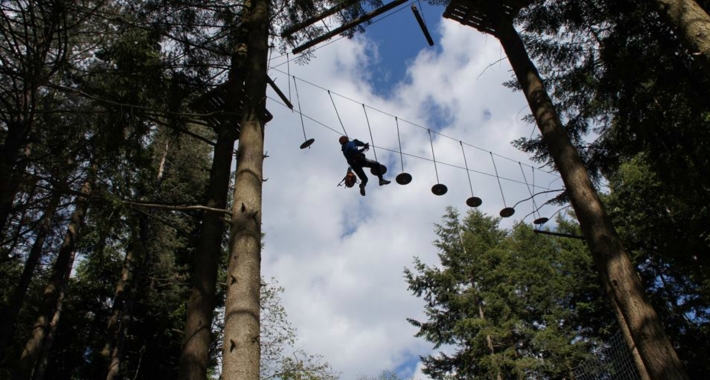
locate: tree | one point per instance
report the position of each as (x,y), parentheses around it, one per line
(54,291)
(280,359)
(692,23)
(512,304)
(241,352)
(616,270)
(667,254)
(34,49)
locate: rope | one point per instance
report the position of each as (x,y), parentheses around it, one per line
(401,156)
(528,186)
(467,172)
(432,154)
(298,99)
(498,178)
(374,151)
(337,113)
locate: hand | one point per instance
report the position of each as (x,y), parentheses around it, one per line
(366,147)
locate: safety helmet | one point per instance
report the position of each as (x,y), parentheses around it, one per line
(350,179)
(343,140)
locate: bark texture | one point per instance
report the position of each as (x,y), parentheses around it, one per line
(614,266)
(53,291)
(9,317)
(124,299)
(692,23)
(194,358)
(241,351)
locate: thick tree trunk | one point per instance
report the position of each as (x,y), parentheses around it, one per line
(60,275)
(692,23)
(9,318)
(613,263)
(241,351)
(194,358)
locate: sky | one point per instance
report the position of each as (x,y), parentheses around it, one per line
(340,256)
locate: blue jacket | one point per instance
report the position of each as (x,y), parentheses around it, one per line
(351,150)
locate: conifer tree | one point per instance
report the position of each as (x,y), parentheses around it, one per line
(513,304)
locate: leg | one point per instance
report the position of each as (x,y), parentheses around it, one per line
(360,173)
(374,164)
(371,164)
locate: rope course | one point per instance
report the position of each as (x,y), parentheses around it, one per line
(439,188)
(414,124)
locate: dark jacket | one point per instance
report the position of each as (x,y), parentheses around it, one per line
(352,150)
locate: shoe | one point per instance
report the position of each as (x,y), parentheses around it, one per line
(362,189)
(384,182)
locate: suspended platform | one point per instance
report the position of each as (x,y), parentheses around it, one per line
(222,107)
(484,15)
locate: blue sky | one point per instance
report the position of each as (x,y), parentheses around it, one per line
(340,256)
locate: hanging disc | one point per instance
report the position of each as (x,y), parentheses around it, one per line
(307,143)
(439,189)
(542,220)
(506,212)
(473,202)
(403,178)
(378,171)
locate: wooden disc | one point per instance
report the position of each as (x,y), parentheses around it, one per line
(403,178)
(507,212)
(539,221)
(473,202)
(307,143)
(439,189)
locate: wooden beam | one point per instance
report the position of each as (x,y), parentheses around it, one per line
(349,25)
(296,27)
(420,20)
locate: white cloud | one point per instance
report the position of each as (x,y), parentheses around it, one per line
(340,256)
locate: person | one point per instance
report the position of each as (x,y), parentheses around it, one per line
(353,152)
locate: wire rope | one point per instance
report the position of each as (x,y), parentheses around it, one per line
(431,142)
(467,172)
(374,151)
(338,114)
(298,100)
(399,140)
(498,177)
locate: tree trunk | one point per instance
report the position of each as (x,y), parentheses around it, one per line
(10,171)
(194,358)
(241,351)
(9,318)
(49,340)
(60,275)
(638,360)
(692,23)
(123,300)
(118,327)
(119,299)
(613,264)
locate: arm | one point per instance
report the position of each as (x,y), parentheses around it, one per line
(364,146)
